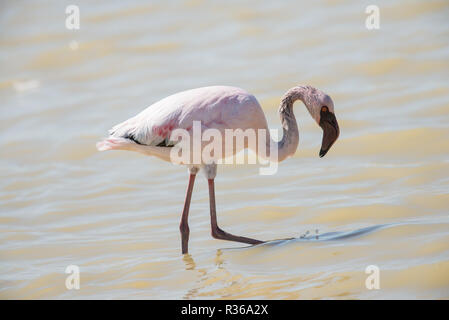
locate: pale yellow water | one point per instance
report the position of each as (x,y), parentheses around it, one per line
(116,214)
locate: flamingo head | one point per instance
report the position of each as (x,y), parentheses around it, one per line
(321,108)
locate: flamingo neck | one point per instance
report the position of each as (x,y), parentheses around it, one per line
(289,143)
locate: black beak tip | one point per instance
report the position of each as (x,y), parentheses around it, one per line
(322,153)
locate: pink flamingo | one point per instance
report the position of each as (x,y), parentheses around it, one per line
(218,107)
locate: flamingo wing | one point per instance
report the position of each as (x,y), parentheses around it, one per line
(218,107)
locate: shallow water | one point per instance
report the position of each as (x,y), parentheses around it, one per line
(379,197)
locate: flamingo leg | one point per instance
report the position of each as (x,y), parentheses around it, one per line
(217,233)
(184,225)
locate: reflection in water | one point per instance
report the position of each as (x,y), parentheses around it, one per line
(328,236)
(190,266)
(189,262)
(345,235)
(253,271)
(203,275)
(333,236)
(219,259)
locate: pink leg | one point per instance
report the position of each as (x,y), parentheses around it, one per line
(217,233)
(184,225)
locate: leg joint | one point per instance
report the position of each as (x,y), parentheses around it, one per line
(184,228)
(217,233)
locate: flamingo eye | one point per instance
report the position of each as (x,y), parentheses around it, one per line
(324,109)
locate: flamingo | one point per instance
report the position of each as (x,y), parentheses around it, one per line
(218,107)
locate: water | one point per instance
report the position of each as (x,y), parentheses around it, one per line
(379,197)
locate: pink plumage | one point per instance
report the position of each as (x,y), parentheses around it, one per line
(218,107)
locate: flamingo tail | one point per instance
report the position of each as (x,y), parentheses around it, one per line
(113,143)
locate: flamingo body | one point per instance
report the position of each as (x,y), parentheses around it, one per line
(218,107)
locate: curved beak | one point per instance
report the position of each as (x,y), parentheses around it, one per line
(331,131)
